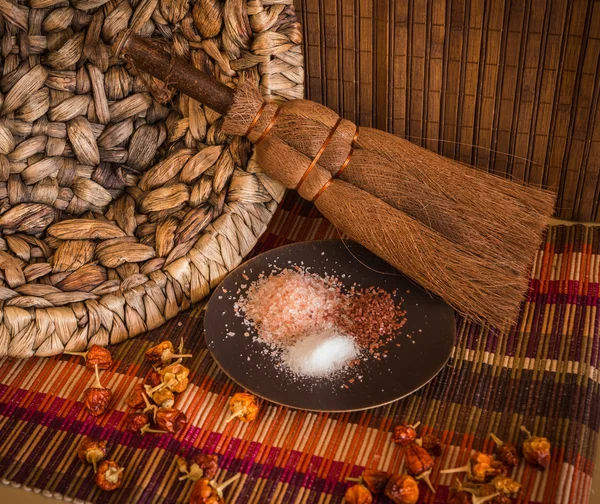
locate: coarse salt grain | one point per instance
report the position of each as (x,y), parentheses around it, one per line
(321,354)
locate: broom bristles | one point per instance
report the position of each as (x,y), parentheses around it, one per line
(463,234)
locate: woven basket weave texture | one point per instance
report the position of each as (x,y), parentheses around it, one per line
(121,202)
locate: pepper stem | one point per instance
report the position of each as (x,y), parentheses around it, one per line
(145,429)
(496,439)
(94,464)
(98,384)
(480,500)
(527,433)
(465,468)
(237,414)
(355,480)
(414,426)
(226,483)
(80,354)
(160,386)
(425,477)
(149,406)
(168,355)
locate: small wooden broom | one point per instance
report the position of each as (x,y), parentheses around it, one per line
(463,234)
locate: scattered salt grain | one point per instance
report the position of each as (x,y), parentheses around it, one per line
(321,354)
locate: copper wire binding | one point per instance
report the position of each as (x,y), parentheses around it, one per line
(256,118)
(342,168)
(269,126)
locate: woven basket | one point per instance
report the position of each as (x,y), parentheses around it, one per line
(120,202)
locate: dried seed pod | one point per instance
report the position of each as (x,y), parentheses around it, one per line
(208,463)
(206,491)
(95,356)
(243,406)
(138,422)
(358,494)
(373,479)
(170,419)
(432,444)
(536,450)
(419,463)
(96,398)
(402,489)
(135,399)
(164,398)
(405,434)
(193,473)
(109,476)
(91,451)
(506,452)
(175,376)
(505,484)
(162,353)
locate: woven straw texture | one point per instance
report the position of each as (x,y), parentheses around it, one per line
(472,80)
(121,202)
(543,373)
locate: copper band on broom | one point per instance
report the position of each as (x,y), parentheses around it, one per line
(342,168)
(269,126)
(256,118)
(315,160)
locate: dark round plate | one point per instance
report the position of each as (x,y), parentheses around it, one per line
(429,323)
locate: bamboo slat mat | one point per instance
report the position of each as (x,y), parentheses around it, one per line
(543,373)
(471,79)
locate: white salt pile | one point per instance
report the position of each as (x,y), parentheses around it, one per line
(321,354)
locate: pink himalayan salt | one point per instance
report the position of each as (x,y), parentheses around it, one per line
(289,305)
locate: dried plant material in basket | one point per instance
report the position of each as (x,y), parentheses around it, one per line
(121,201)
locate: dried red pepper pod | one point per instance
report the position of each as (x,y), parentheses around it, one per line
(109,476)
(95,356)
(96,398)
(480,467)
(175,376)
(153,379)
(419,464)
(505,484)
(431,443)
(536,450)
(461,497)
(506,452)
(208,463)
(170,419)
(206,491)
(163,353)
(91,451)
(194,472)
(243,406)
(135,400)
(138,422)
(405,434)
(402,489)
(358,494)
(373,479)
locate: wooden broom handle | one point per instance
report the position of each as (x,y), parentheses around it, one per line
(148,57)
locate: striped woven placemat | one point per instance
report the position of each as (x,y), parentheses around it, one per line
(543,374)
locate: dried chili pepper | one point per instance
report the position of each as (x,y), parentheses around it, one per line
(138,422)
(506,452)
(206,491)
(91,451)
(96,355)
(480,467)
(432,444)
(536,450)
(405,434)
(358,494)
(109,476)
(194,472)
(419,463)
(373,479)
(163,353)
(461,497)
(135,400)
(402,489)
(175,376)
(96,398)
(243,406)
(153,379)
(170,419)
(208,463)
(164,398)
(505,484)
